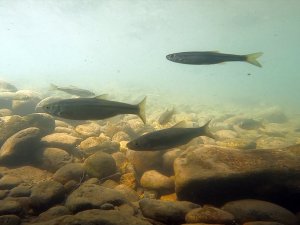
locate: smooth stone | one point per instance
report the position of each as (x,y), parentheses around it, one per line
(121,136)
(100,165)
(92,145)
(54,158)
(46,194)
(130,194)
(71,171)
(23,190)
(166,211)
(9,182)
(169,158)
(256,210)
(20,148)
(269,174)
(60,140)
(154,180)
(21,107)
(10,220)
(89,196)
(5,112)
(53,213)
(88,129)
(9,207)
(3,194)
(209,215)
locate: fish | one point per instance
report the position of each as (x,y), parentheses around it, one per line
(211,57)
(73,91)
(166,116)
(250,124)
(168,138)
(94,108)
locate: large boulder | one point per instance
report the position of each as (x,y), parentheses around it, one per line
(215,175)
(91,196)
(166,211)
(255,210)
(20,148)
(69,172)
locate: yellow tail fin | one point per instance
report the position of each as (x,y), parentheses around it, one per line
(207,131)
(252,58)
(142,110)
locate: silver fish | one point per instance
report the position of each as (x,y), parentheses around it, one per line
(168,138)
(93,109)
(74,91)
(205,58)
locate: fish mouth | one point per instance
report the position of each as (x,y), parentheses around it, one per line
(169,57)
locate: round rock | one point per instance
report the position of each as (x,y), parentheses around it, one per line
(72,171)
(100,165)
(152,179)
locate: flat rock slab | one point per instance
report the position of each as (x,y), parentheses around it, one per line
(215,175)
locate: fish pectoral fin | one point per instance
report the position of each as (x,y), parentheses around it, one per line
(181,124)
(103,96)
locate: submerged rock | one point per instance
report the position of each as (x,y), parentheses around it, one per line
(10,207)
(45,194)
(9,182)
(20,148)
(154,180)
(256,210)
(71,171)
(53,213)
(166,211)
(88,130)
(93,196)
(271,174)
(10,220)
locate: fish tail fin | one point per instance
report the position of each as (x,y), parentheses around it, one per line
(252,58)
(207,131)
(53,87)
(142,110)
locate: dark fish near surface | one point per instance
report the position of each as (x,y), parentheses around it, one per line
(73,91)
(93,109)
(166,116)
(168,138)
(205,58)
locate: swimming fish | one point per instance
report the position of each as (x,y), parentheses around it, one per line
(168,138)
(205,58)
(166,116)
(93,108)
(73,91)
(250,124)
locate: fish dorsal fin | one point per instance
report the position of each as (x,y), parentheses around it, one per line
(181,124)
(103,96)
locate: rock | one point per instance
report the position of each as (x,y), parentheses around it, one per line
(121,161)
(209,215)
(8,182)
(92,145)
(130,194)
(13,124)
(89,129)
(23,201)
(226,134)
(7,87)
(46,194)
(107,206)
(60,123)
(100,165)
(267,142)
(262,223)
(89,196)
(54,158)
(23,190)
(66,130)
(169,197)
(271,174)
(20,107)
(237,143)
(169,158)
(129,179)
(54,212)
(29,174)
(72,171)
(121,136)
(5,112)
(109,184)
(154,180)
(128,209)
(273,115)
(9,207)
(43,121)
(149,194)
(20,148)
(3,194)
(256,210)
(10,220)
(60,140)
(97,216)
(143,161)
(165,211)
